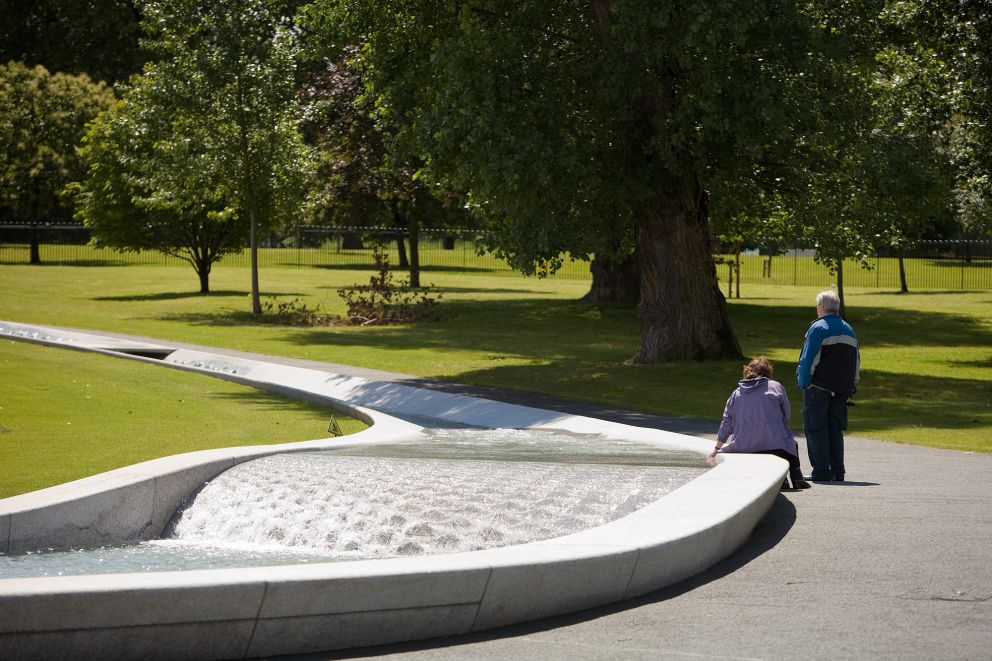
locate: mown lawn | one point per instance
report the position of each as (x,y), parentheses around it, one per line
(925,356)
(67,414)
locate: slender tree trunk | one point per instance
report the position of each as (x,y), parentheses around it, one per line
(737,272)
(256,303)
(903,287)
(35,245)
(613,281)
(400,221)
(682,311)
(413,225)
(35,232)
(840,286)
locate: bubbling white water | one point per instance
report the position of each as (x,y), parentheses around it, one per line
(373,507)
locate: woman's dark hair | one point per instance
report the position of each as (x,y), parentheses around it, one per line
(759,366)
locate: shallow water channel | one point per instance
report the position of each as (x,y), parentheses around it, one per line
(448,490)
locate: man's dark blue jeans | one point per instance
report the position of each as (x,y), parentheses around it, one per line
(824,421)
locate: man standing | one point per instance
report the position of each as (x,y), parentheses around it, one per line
(827,373)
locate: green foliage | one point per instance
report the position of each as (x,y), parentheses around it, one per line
(226,73)
(563,119)
(364,181)
(215,124)
(574,126)
(940,72)
(42,119)
(144,190)
(205,142)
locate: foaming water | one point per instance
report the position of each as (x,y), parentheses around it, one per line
(447,490)
(375,507)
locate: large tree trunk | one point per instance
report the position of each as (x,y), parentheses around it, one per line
(613,281)
(204,274)
(682,311)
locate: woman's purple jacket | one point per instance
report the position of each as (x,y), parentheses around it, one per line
(757,415)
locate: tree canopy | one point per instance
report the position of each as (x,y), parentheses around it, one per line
(572,123)
(939,64)
(362,181)
(143,191)
(42,119)
(216,119)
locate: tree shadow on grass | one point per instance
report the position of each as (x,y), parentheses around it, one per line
(786,326)
(573,331)
(987,363)
(172,296)
(401,271)
(268,401)
(555,346)
(928,292)
(434,290)
(102,263)
(175,296)
(886,400)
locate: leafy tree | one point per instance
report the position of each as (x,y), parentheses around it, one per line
(224,73)
(143,190)
(363,182)
(939,65)
(571,123)
(42,119)
(97,37)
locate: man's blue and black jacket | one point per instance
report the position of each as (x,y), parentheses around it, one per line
(830,359)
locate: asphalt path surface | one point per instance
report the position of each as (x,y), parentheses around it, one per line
(895,563)
(892,564)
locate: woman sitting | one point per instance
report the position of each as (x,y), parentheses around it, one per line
(757,416)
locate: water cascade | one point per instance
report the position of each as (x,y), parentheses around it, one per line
(445,491)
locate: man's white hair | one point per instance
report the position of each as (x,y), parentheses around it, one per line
(829,301)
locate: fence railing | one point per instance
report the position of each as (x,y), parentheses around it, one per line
(964,265)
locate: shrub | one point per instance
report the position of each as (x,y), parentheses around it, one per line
(383,302)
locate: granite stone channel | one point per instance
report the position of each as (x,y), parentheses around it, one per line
(449,514)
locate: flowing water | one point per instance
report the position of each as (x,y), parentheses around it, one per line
(453,490)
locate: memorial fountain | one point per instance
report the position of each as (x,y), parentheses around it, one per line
(449,514)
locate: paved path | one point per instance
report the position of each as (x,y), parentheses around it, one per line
(894,564)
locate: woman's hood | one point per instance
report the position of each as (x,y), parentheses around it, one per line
(747,385)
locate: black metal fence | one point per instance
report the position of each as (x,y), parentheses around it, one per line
(962,265)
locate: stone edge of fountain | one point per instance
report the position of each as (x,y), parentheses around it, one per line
(260,611)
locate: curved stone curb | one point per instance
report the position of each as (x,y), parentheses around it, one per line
(262,611)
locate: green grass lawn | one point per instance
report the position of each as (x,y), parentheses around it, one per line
(67,414)
(925,356)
